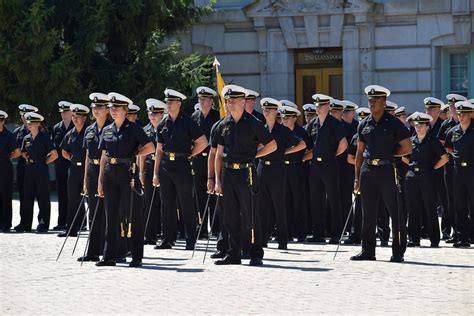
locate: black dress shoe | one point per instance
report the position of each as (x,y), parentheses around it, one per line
(64,234)
(413,244)
(204,236)
(135,264)
(461,244)
(255,262)
(227,260)
(190,246)
(317,240)
(363,257)
(89,258)
(21,229)
(349,241)
(333,241)
(150,241)
(434,245)
(58,227)
(397,258)
(108,263)
(163,245)
(6,229)
(446,237)
(301,239)
(283,246)
(245,255)
(452,240)
(384,243)
(121,260)
(218,255)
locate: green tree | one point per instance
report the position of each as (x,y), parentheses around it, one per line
(54,50)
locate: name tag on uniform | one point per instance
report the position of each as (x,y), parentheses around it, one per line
(108,133)
(367,129)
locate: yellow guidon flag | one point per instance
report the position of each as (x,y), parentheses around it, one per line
(220,85)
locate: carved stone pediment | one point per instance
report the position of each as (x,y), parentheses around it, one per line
(268,8)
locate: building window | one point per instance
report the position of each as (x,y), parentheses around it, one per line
(459,72)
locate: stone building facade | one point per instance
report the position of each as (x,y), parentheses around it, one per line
(290,49)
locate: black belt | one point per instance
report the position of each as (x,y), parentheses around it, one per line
(116,161)
(94,162)
(237,166)
(419,169)
(462,163)
(323,158)
(77,163)
(377,162)
(171,156)
(292,162)
(31,161)
(151,157)
(269,162)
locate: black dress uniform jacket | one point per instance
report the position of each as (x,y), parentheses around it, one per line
(272,182)
(123,145)
(462,144)
(240,140)
(36,179)
(97,233)
(381,141)
(420,183)
(324,176)
(175,175)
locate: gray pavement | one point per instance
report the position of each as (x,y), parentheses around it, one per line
(302,280)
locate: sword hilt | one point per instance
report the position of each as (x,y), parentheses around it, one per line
(199,218)
(250,176)
(129,232)
(253,236)
(122,232)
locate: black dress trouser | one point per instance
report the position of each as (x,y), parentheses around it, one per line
(377,182)
(324,181)
(238,214)
(463,194)
(296,207)
(75,183)
(153,214)
(176,183)
(97,233)
(6,194)
(117,191)
(272,204)
(422,187)
(37,185)
(61,167)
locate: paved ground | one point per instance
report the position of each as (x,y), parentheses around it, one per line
(302,280)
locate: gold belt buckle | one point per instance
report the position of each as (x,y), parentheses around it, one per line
(287,162)
(267,163)
(235,166)
(416,169)
(463,164)
(96,161)
(79,163)
(172,156)
(113,161)
(319,159)
(376,162)
(204,154)
(153,157)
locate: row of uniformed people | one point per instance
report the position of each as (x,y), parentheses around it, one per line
(321,105)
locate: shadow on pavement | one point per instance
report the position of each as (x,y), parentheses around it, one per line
(147,266)
(305,269)
(429,264)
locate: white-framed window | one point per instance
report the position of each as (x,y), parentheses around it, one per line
(458,71)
